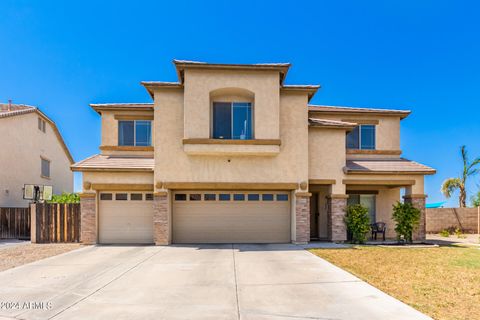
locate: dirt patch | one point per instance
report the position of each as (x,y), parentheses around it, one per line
(25,253)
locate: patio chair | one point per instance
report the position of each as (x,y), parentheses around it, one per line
(378,227)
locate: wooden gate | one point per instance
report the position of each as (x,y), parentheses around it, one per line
(56,222)
(15,223)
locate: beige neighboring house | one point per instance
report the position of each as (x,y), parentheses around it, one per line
(33,152)
(232,154)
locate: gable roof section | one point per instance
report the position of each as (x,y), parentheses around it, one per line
(333,124)
(386,166)
(100,162)
(351,110)
(11,110)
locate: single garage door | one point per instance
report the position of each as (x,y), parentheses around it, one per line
(126,217)
(231,217)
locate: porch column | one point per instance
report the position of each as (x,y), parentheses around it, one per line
(336,211)
(418,201)
(302,218)
(88,222)
(161,219)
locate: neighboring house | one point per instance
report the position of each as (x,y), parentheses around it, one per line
(33,152)
(230,153)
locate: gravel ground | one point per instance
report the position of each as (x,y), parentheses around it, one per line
(22,254)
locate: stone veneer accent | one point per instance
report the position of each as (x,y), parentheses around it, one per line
(161,227)
(418,201)
(302,218)
(88,222)
(337,209)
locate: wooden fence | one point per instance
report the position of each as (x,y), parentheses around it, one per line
(55,222)
(15,223)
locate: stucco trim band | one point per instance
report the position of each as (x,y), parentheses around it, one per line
(384,152)
(230,186)
(322,181)
(122,186)
(125,148)
(379,182)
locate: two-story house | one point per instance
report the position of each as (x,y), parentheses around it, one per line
(230,153)
(32,152)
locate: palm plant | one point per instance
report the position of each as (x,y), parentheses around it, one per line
(451,185)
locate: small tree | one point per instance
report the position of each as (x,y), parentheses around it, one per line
(476,200)
(407,218)
(358,222)
(65,197)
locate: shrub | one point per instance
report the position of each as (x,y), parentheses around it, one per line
(65,197)
(407,218)
(445,233)
(358,222)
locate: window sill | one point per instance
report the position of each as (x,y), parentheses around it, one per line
(220,147)
(262,142)
(374,151)
(125,148)
(45,177)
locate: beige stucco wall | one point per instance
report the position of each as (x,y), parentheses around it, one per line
(385,199)
(173,164)
(264,86)
(22,145)
(417,188)
(326,156)
(118,177)
(387,130)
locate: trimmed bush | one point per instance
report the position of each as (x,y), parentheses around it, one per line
(407,218)
(358,222)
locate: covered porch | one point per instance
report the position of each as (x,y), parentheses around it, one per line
(377,185)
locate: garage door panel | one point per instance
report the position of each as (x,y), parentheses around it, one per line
(126,221)
(231,221)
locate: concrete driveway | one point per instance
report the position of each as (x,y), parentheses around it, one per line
(192,282)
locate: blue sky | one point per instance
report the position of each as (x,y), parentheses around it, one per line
(418,55)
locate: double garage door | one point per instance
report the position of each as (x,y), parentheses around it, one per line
(198,217)
(231,217)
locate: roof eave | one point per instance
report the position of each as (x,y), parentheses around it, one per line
(425,172)
(181,65)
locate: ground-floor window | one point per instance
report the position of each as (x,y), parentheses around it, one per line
(366,200)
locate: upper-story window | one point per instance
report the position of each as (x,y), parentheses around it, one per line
(135,133)
(42,125)
(362,137)
(232,120)
(45,168)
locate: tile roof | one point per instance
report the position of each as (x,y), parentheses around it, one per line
(115,163)
(387,166)
(7,110)
(337,109)
(327,123)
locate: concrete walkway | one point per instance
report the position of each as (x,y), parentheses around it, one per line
(192,282)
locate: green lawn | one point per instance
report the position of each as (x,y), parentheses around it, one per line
(443,282)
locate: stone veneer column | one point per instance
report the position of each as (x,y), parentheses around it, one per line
(302,218)
(88,222)
(418,201)
(161,225)
(336,211)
